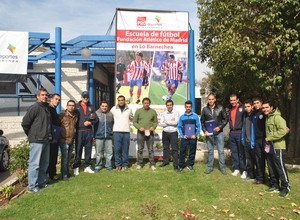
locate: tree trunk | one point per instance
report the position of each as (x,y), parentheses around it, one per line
(294,122)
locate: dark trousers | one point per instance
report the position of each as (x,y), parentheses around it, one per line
(170,138)
(183,146)
(237,152)
(83,139)
(260,159)
(277,170)
(141,139)
(53,160)
(250,160)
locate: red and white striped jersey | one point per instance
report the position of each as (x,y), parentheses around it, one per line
(137,69)
(173,70)
(164,68)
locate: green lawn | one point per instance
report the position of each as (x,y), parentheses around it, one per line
(162,194)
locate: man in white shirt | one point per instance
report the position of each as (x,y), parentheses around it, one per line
(169,123)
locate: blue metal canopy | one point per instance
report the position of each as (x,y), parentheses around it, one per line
(102,48)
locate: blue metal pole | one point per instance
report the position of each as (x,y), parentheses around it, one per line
(91,83)
(192,68)
(58,64)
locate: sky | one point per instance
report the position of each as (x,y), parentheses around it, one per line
(85,17)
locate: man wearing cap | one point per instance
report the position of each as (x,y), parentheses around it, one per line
(86,118)
(137,68)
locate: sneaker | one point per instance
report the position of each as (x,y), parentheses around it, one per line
(35,190)
(152,167)
(130,99)
(190,168)
(208,171)
(283,193)
(76,171)
(46,186)
(125,168)
(224,172)
(175,168)
(139,167)
(65,178)
(179,170)
(244,175)
(272,190)
(109,168)
(97,169)
(248,179)
(235,173)
(118,168)
(138,101)
(88,170)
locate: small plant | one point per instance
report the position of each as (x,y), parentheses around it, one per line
(20,160)
(7,191)
(201,138)
(150,209)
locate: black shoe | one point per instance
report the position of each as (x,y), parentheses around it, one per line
(257,182)
(138,101)
(175,168)
(179,170)
(163,164)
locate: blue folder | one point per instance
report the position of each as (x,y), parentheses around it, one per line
(210,126)
(189,130)
(55,132)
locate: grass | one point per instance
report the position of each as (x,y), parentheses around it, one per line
(160,194)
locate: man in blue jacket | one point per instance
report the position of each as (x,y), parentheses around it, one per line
(86,118)
(235,125)
(187,121)
(103,134)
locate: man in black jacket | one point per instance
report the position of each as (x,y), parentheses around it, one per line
(54,102)
(86,118)
(37,126)
(215,112)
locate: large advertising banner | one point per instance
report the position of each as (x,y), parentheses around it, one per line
(151,61)
(151,56)
(13,52)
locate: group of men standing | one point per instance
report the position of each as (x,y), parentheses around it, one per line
(257,133)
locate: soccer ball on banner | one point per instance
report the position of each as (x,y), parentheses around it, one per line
(165,97)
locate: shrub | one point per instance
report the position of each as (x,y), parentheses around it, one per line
(201,138)
(20,160)
(7,191)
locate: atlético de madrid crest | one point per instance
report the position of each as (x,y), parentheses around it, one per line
(261,116)
(240,109)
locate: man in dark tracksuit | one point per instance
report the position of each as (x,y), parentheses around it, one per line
(86,118)
(235,125)
(54,102)
(260,134)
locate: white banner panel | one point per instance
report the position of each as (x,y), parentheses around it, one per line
(140,30)
(13,52)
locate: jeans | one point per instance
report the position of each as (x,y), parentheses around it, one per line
(237,152)
(167,139)
(66,152)
(83,139)
(38,164)
(183,145)
(121,148)
(141,139)
(103,145)
(219,139)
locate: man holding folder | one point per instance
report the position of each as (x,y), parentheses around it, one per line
(213,120)
(189,128)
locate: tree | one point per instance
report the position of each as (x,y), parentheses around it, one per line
(253,47)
